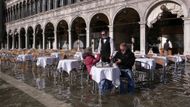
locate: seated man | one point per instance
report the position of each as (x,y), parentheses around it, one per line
(125,60)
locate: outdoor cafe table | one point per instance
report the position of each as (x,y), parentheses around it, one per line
(24,57)
(68,65)
(176,58)
(110,73)
(149,61)
(44,61)
(56,54)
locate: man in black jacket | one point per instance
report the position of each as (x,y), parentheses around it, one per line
(125,60)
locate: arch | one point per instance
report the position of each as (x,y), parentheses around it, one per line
(30,32)
(74,18)
(124,7)
(98,23)
(155,3)
(62,34)
(49,35)
(38,37)
(22,38)
(165,24)
(105,13)
(78,31)
(126,27)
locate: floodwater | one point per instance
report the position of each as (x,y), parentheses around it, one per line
(12,97)
(175,93)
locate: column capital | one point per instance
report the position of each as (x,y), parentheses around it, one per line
(186,20)
(142,22)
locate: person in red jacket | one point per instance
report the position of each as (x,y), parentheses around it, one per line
(89,59)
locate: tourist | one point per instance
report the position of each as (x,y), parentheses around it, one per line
(125,59)
(166,47)
(89,59)
(106,47)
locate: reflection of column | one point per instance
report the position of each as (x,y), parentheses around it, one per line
(26,40)
(13,42)
(55,39)
(43,35)
(19,41)
(8,42)
(110,31)
(70,41)
(142,37)
(186,36)
(87,37)
(34,41)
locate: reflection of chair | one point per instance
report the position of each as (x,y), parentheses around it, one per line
(161,65)
(143,73)
(188,58)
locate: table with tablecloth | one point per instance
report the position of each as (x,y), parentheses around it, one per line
(44,61)
(56,54)
(110,73)
(24,57)
(68,65)
(149,61)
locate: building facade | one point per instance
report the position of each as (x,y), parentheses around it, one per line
(58,24)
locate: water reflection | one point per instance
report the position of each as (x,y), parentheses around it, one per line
(175,93)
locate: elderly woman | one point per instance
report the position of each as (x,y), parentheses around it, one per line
(89,59)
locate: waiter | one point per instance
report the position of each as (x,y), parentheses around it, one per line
(106,47)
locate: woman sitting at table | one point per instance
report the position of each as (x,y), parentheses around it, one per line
(89,59)
(125,60)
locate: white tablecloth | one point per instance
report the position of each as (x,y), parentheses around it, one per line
(150,62)
(177,58)
(78,55)
(162,58)
(139,55)
(56,54)
(24,57)
(109,73)
(44,61)
(68,64)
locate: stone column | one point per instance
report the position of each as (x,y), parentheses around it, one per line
(55,39)
(70,39)
(43,35)
(68,1)
(61,2)
(111,31)
(55,4)
(34,41)
(38,6)
(18,14)
(186,36)
(22,14)
(34,8)
(142,37)
(43,5)
(19,41)
(48,5)
(87,37)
